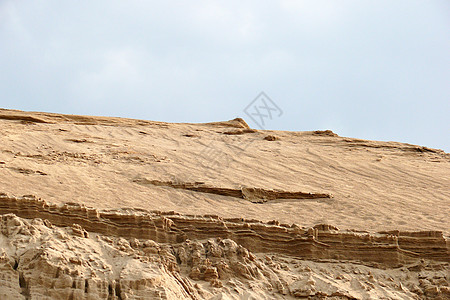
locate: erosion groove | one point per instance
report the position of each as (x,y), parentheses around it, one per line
(321,242)
(257,195)
(21,118)
(54,118)
(241,131)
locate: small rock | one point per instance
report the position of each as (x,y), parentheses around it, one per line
(271,138)
(216,283)
(211,273)
(79,231)
(195,273)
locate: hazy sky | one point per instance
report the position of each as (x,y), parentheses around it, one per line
(367,69)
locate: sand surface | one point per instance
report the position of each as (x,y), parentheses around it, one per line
(101,162)
(112,208)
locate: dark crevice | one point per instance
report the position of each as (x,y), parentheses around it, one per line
(23,284)
(118,290)
(177,256)
(110,292)
(86,285)
(16,264)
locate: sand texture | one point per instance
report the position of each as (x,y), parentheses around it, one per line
(113,208)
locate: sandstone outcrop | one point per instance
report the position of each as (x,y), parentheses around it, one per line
(320,242)
(256,195)
(39,260)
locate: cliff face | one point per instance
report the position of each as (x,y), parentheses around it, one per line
(319,242)
(136,209)
(39,260)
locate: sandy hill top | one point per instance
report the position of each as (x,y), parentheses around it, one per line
(226,169)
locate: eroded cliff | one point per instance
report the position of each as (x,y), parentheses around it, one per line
(75,252)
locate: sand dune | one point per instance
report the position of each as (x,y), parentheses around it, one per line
(230,171)
(95,161)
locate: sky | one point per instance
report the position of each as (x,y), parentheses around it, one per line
(376,70)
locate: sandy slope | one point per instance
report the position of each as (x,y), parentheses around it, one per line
(91,249)
(99,161)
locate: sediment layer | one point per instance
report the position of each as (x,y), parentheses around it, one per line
(250,193)
(391,248)
(39,260)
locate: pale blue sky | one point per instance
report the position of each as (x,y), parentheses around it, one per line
(368,69)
